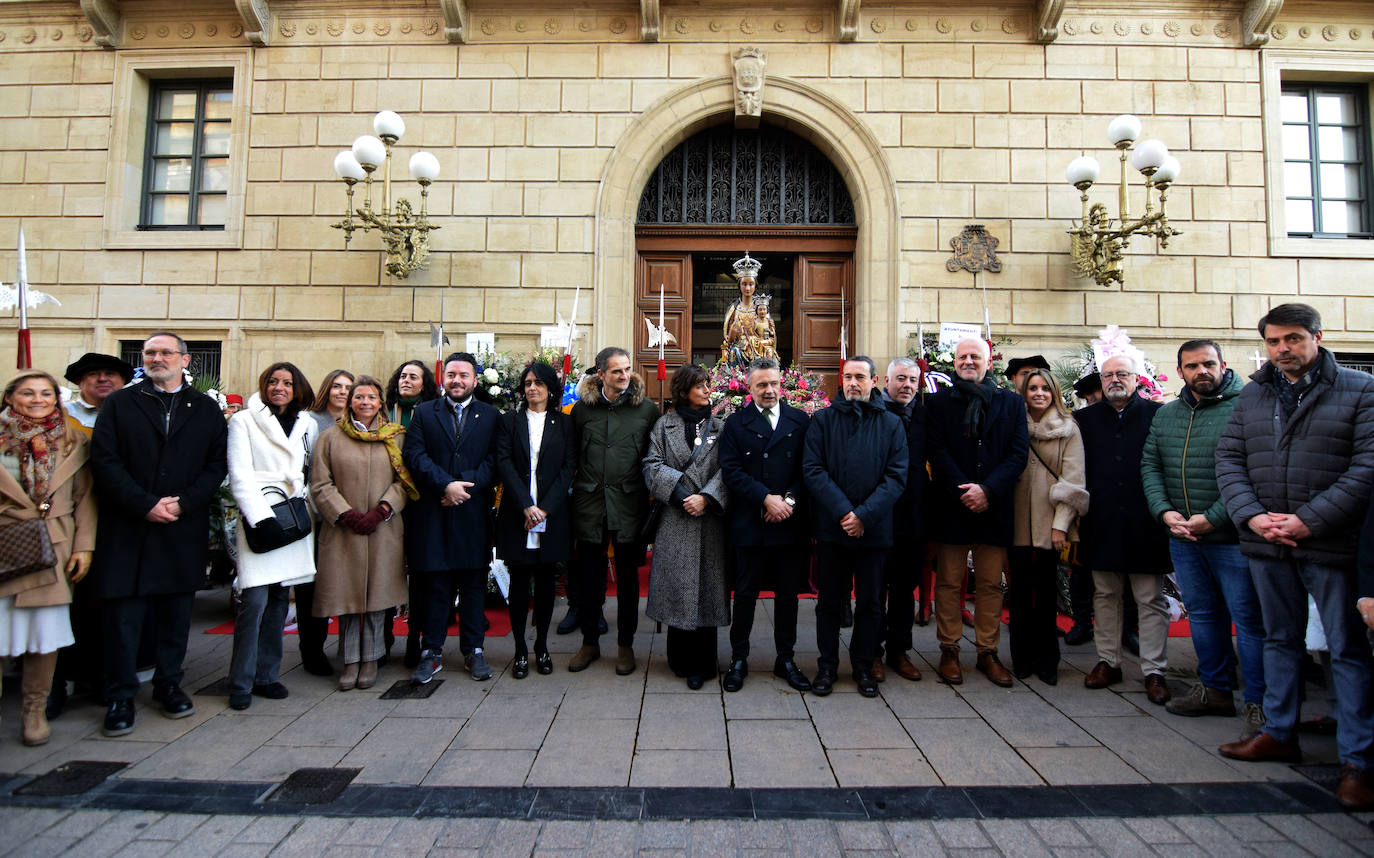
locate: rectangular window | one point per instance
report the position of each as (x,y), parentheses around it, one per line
(205,356)
(186,174)
(1326,160)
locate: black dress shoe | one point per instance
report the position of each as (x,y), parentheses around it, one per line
(412,656)
(569,623)
(788,670)
(824,683)
(175,703)
(240,700)
(734,677)
(119,718)
(1080,634)
(543,664)
(272,691)
(520,668)
(316,664)
(57,700)
(1049,676)
(868,685)
(695,682)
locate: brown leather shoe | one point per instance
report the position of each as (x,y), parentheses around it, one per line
(1263,747)
(904,667)
(625,661)
(877,671)
(949,669)
(581,659)
(1157,690)
(1102,675)
(991,666)
(1355,791)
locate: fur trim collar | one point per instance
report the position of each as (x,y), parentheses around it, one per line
(589,392)
(1051,427)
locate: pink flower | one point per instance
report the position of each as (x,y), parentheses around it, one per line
(1163,377)
(803,385)
(734,385)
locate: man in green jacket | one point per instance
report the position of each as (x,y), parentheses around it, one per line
(1178,469)
(611,422)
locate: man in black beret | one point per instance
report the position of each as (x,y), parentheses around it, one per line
(96,376)
(1019,368)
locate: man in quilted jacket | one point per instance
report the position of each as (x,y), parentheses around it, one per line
(1295,465)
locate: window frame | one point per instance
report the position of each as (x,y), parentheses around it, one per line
(1312,92)
(1278,67)
(202,88)
(136,72)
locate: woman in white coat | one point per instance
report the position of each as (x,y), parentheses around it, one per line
(269,444)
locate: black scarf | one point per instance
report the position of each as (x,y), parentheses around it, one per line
(690,418)
(979,398)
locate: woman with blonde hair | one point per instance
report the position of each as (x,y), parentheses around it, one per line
(1050,496)
(43,476)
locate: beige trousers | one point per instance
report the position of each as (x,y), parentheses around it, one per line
(951,565)
(1154,618)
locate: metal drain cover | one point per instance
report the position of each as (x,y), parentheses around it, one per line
(404,689)
(72,778)
(314,786)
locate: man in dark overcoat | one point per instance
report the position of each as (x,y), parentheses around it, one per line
(610,502)
(158,458)
(1122,542)
(978,445)
(761,462)
(855,468)
(449,450)
(906,562)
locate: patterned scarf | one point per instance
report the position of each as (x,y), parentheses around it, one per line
(386,433)
(37,444)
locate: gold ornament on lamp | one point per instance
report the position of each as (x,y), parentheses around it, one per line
(1098,243)
(405,233)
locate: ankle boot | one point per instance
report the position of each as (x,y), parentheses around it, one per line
(38,672)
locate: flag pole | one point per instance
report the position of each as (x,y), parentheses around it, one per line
(572,335)
(24,359)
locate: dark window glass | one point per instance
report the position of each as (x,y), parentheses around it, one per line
(1326,155)
(205,356)
(186,169)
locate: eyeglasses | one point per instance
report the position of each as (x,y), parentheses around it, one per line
(1120,375)
(160,353)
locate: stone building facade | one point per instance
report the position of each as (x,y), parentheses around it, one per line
(548,119)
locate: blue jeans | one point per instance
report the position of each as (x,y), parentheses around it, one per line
(257,637)
(1283,586)
(1218,590)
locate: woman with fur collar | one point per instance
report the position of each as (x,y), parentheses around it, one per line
(1050,496)
(269,450)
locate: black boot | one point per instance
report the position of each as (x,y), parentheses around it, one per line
(570,623)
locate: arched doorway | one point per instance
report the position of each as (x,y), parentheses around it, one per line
(722,192)
(876,266)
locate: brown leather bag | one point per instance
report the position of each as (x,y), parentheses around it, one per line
(25,548)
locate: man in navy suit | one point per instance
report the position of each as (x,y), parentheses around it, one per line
(448,450)
(760,460)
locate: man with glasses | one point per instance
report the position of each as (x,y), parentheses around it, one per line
(1122,542)
(158,458)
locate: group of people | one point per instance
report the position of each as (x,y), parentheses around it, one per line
(371,496)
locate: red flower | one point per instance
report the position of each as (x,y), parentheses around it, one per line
(803,385)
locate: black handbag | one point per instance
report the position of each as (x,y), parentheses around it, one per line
(289,523)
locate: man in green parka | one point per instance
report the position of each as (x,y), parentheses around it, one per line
(1178,469)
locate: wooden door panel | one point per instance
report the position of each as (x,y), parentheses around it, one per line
(824,286)
(674,271)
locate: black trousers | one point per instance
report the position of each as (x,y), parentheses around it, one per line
(591,570)
(1033,601)
(439,588)
(521,575)
(311,631)
(81,663)
(692,652)
(840,568)
(167,616)
(900,573)
(785,567)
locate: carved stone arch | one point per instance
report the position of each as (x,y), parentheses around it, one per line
(804,111)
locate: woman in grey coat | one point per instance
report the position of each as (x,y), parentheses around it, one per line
(687,590)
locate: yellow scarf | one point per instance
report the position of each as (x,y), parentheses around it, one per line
(386,433)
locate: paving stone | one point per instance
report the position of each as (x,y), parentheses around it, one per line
(277,762)
(466,833)
(603,697)
(768,753)
(762,834)
(862,835)
(114,834)
(512,839)
(1313,837)
(966,751)
(925,699)
(714,838)
(680,768)
(106,750)
(461,767)
(853,721)
(367,831)
(1155,831)
(813,838)
(960,834)
(173,826)
(1155,751)
(151,726)
(267,829)
(1081,766)
(210,750)
(32,821)
(881,767)
(1076,852)
(1183,850)
(1014,838)
(585,753)
(1248,829)
(1029,723)
(414,836)
(76,823)
(1113,837)
(401,750)
(213,836)
(312,837)
(44,846)
(764,696)
(246,850)
(1059,832)
(145,849)
(1279,849)
(675,722)
(1342,826)
(912,839)
(339,720)
(975,853)
(1076,701)
(665,835)
(565,834)
(508,723)
(1206,831)
(615,838)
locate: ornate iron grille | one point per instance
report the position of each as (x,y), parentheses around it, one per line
(729,176)
(205,356)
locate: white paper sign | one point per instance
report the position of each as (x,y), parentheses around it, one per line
(553,337)
(481,342)
(951,333)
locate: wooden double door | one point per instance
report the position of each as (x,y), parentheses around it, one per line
(819,303)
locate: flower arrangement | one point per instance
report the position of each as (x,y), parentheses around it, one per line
(498,381)
(939,370)
(1110,342)
(730,389)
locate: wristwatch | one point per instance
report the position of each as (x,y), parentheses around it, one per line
(789,500)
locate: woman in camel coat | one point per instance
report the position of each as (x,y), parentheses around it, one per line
(42,461)
(359,486)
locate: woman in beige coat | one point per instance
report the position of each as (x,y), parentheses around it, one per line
(1050,496)
(359,486)
(45,475)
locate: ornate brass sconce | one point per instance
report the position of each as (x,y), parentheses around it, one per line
(1098,243)
(405,234)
